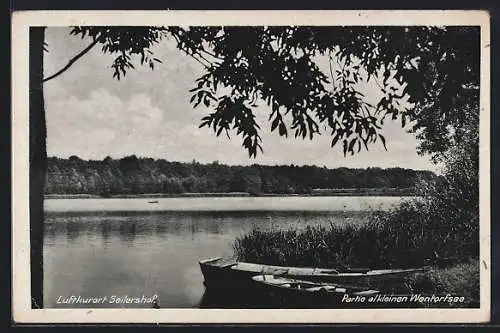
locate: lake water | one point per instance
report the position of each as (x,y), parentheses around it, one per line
(132,248)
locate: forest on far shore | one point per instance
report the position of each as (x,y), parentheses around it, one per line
(134,175)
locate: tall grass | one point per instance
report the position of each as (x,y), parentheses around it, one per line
(406,237)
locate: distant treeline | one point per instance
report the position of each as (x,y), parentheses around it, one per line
(132,176)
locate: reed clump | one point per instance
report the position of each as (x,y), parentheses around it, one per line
(407,237)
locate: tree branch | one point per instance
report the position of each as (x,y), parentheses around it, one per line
(211,54)
(193,52)
(72,60)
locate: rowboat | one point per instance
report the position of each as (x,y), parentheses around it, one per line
(221,272)
(306,293)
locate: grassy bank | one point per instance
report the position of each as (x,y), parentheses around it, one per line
(458,280)
(371,245)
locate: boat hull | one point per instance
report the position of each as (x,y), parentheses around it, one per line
(220,273)
(223,277)
(297,293)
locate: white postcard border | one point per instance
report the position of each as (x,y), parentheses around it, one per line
(22,312)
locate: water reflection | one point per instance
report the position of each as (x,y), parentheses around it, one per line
(128,225)
(105,229)
(135,253)
(73,231)
(127,232)
(160,229)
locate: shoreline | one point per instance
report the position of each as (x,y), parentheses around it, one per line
(334,193)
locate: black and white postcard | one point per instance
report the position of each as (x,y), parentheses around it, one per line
(251,167)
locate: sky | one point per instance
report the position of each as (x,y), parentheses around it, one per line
(92,115)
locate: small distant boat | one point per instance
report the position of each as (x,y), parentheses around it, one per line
(290,291)
(220,272)
(153,201)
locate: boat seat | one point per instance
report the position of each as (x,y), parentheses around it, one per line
(354,270)
(229,265)
(275,272)
(322,288)
(328,271)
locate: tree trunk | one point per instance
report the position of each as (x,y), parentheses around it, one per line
(38,162)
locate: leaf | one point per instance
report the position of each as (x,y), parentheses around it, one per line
(351,145)
(383,140)
(387,74)
(205,123)
(282,129)
(247,142)
(198,101)
(260,148)
(274,124)
(335,139)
